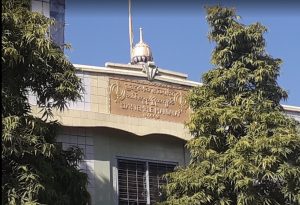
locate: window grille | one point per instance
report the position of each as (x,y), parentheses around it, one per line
(156,181)
(133,181)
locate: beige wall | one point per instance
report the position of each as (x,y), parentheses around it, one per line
(109,144)
(94,109)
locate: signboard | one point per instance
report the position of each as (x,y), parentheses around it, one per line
(145,99)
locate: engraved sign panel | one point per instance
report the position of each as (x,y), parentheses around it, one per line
(144,99)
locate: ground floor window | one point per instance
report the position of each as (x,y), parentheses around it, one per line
(139,182)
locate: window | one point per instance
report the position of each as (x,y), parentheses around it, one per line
(57,11)
(140,182)
(41,6)
(132,182)
(86,144)
(156,171)
(53,9)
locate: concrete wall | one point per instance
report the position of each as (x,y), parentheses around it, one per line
(108,144)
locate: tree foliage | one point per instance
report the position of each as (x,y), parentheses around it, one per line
(245,150)
(35,170)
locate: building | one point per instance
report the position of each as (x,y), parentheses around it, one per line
(129,137)
(129,124)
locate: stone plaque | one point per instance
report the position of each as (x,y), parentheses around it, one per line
(144,99)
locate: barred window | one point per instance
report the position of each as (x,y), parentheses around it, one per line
(132,182)
(139,182)
(156,181)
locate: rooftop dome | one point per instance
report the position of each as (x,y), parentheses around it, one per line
(141,51)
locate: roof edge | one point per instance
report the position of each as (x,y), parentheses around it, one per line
(136,70)
(291,108)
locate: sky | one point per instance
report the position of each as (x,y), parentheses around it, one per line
(177,34)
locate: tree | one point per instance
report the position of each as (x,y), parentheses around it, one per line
(245,150)
(35,169)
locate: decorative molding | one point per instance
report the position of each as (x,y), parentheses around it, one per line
(151,70)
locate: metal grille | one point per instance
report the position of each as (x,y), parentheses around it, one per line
(132,181)
(156,181)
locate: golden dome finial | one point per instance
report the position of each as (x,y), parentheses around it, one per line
(141,51)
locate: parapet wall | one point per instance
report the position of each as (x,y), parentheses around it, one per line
(120,96)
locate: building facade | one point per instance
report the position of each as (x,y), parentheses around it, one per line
(131,130)
(129,123)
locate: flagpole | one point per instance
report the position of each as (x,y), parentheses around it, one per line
(130,29)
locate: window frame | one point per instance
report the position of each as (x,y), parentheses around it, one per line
(115,172)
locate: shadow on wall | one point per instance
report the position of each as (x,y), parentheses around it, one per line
(99,183)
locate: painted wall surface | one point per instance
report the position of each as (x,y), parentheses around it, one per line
(110,144)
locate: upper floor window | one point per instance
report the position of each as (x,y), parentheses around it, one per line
(57,31)
(140,182)
(41,6)
(53,9)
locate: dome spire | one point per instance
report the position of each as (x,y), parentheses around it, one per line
(141,35)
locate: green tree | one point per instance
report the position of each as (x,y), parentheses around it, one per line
(245,150)
(35,169)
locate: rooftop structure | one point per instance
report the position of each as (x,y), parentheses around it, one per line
(141,51)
